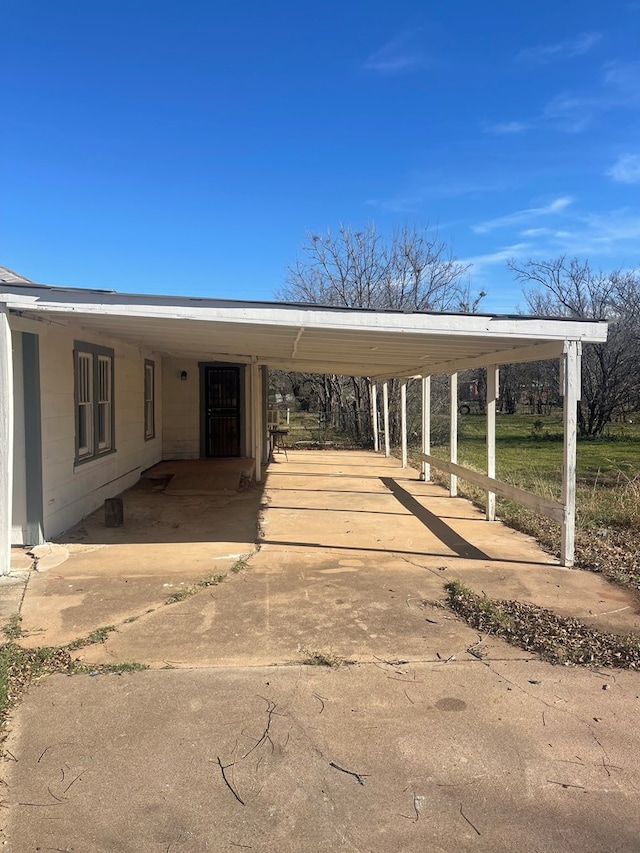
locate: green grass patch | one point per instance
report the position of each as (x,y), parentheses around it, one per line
(118,668)
(98,636)
(187,591)
(240,565)
(314,657)
(12,629)
(20,667)
(556,639)
(529,455)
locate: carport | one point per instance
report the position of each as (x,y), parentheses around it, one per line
(377,344)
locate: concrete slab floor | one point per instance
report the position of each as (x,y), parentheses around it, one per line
(111,574)
(456,754)
(433,757)
(349,544)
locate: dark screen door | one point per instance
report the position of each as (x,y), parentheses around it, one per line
(222,411)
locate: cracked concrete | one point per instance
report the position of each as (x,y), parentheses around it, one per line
(456,753)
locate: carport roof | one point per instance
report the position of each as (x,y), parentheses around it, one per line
(312,338)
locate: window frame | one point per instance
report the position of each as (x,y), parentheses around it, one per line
(93,379)
(149,433)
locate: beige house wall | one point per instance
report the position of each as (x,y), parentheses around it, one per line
(72,491)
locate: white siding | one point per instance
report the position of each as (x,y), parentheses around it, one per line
(19,508)
(181,414)
(72,491)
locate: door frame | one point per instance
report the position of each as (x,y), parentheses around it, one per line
(202,367)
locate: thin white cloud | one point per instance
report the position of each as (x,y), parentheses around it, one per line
(497,258)
(573,112)
(619,89)
(612,235)
(609,238)
(422,187)
(616,232)
(395,57)
(623,79)
(536,232)
(626,170)
(556,206)
(567,49)
(507,128)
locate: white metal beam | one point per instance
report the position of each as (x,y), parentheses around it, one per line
(6,441)
(256,418)
(385,408)
(453,432)
(570,369)
(543,506)
(492,395)
(426,425)
(403,418)
(516,355)
(374,416)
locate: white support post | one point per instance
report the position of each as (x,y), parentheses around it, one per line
(374,416)
(403,418)
(453,433)
(385,408)
(6,441)
(492,396)
(256,418)
(570,371)
(426,426)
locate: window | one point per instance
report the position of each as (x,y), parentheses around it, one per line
(149,399)
(93,376)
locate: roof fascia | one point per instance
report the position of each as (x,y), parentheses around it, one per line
(42,301)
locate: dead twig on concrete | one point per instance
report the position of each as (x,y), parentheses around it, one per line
(415,809)
(223,769)
(359,777)
(474,650)
(271,707)
(394,662)
(414,680)
(56,797)
(474,828)
(476,654)
(566,784)
(320,700)
(44,752)
(73,781)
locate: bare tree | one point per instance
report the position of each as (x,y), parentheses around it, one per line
(611,371)
(411,270)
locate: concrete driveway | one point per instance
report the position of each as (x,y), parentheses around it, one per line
(233,742)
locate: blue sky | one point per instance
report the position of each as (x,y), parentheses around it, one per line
(187,147)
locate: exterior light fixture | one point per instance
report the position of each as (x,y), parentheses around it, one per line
(183,376)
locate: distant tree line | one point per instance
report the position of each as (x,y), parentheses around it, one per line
(611,371)
(414,270)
